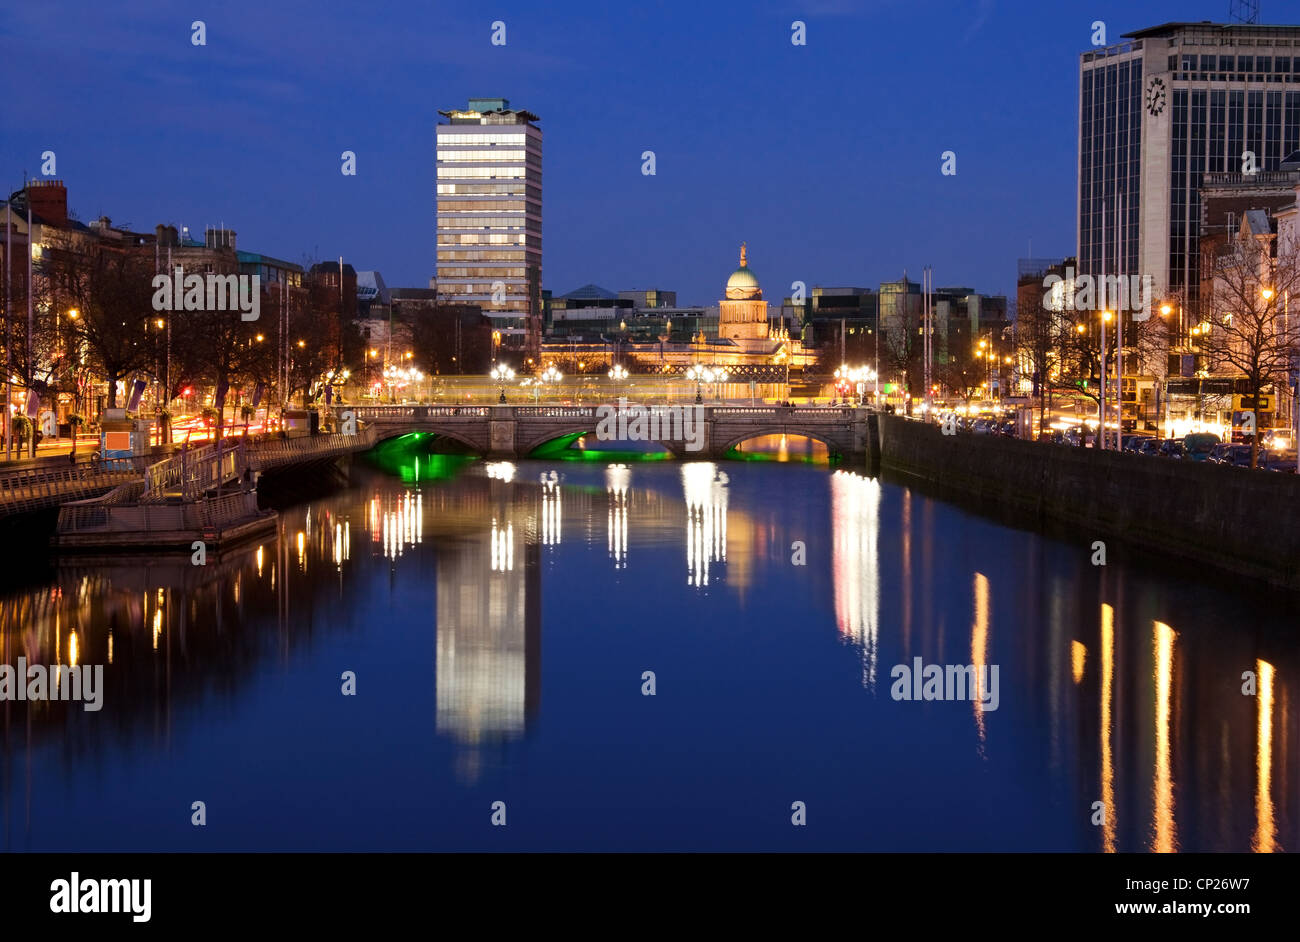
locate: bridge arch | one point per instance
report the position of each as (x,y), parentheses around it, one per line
(536,441)
(386,432)
(834,445)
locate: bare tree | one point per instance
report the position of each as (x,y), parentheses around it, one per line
(901,341)
(112,293)
(960,372)
(1250,332)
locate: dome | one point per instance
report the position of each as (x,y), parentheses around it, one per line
(743,283)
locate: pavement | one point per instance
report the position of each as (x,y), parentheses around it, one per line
(51,448)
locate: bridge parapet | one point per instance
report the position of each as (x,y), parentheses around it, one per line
(514,431)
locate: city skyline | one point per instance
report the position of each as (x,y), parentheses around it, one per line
(727,149)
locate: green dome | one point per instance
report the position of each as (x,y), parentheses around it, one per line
(743,283)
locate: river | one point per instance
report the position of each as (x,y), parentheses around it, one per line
(647,655)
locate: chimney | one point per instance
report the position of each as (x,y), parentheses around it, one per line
(173,238)
(49,200)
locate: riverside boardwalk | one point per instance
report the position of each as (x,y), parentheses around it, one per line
(206,494)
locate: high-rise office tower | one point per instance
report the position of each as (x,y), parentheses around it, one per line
(490,217)
(1158,111)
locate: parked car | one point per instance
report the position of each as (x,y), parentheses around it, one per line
(1198,445)
(1171,448)
(1282,461)
(1219,453)
(1236,456)
(1133,443)
(1150,446)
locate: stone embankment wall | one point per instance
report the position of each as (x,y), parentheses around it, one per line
(1239,521)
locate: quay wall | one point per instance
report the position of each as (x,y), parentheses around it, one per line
(1238,521)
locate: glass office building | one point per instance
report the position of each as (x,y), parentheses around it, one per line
(489,216)
(1158,111)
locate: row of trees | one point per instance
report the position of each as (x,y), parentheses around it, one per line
(1240,327)
(94,321)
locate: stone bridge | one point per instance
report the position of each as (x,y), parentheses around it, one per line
(512,431)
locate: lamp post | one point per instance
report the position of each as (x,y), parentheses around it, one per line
(697,374)
(862,374)
(502,374)
(551,376)
(617,374)
(704,374)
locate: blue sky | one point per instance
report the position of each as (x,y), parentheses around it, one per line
(825,158)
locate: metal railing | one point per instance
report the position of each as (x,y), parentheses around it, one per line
(33,488)
(101,516)
(273,452)
(192,473)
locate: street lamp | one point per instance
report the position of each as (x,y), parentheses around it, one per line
(617,374)
(700,374)
(551,376)
(502,374)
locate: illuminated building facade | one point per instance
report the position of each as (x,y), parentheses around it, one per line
(489,219)
(1159,111)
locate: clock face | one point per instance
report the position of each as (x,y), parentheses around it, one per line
(1156,97)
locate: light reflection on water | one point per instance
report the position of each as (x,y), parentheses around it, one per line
(460,600)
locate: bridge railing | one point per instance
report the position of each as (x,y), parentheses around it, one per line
(28,477)
(192,473)
(98,515)
(555,412)
(274,452)
(834,413)
(413,411)
(33,488)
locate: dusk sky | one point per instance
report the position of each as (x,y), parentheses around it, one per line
(825,158)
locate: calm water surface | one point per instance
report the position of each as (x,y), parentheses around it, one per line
(499,619)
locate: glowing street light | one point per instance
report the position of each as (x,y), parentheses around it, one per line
(617,373)
(551,376)
(502,374)
(697,372)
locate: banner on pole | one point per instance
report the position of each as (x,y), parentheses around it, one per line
(137,391)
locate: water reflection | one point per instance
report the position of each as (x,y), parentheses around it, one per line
(979,650)
(1164,830)
(487,655)
(855,525)
(1116,683)
(552,510)
(617,479)
(1265,838)
(1108,808)
(398,520)
(705,488)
